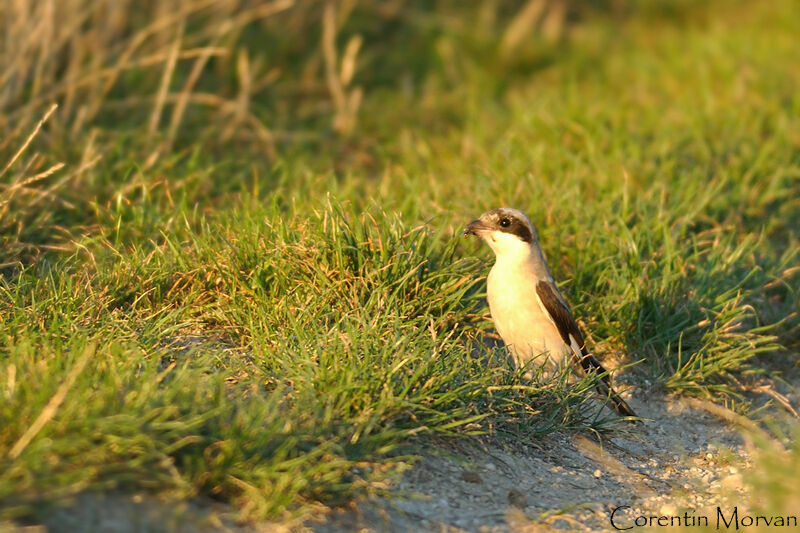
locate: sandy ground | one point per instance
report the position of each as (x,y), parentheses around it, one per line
(687,458)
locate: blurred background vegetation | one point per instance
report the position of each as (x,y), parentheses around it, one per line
(254,86)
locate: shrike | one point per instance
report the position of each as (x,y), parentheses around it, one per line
(528,310)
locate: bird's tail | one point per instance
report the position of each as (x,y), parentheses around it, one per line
(590,364)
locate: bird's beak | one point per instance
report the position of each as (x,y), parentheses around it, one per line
(476,227)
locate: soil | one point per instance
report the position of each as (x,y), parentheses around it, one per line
(687,458)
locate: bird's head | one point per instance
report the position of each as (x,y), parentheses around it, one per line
(509,232)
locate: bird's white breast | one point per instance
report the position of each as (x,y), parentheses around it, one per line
(518,314)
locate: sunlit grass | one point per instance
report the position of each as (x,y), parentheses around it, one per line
(265,364)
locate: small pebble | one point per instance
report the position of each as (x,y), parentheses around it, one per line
(597,473)
(471,476)
(517,499)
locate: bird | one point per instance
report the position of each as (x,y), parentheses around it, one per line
(529,312)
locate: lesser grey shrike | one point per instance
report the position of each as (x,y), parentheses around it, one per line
(528,310)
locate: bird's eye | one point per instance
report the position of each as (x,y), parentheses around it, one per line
(504,222)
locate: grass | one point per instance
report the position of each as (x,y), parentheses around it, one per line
(246,282)
(265,364)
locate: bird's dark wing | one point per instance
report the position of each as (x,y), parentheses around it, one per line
(561,316)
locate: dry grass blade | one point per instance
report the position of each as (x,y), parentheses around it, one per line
(330,55)
(52,406)
(591,450)
(750,428)
(553,23)
(522,25)
(29,139)
(163,88)
(20,183)
(349,59)
(197,69)
(345,104)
